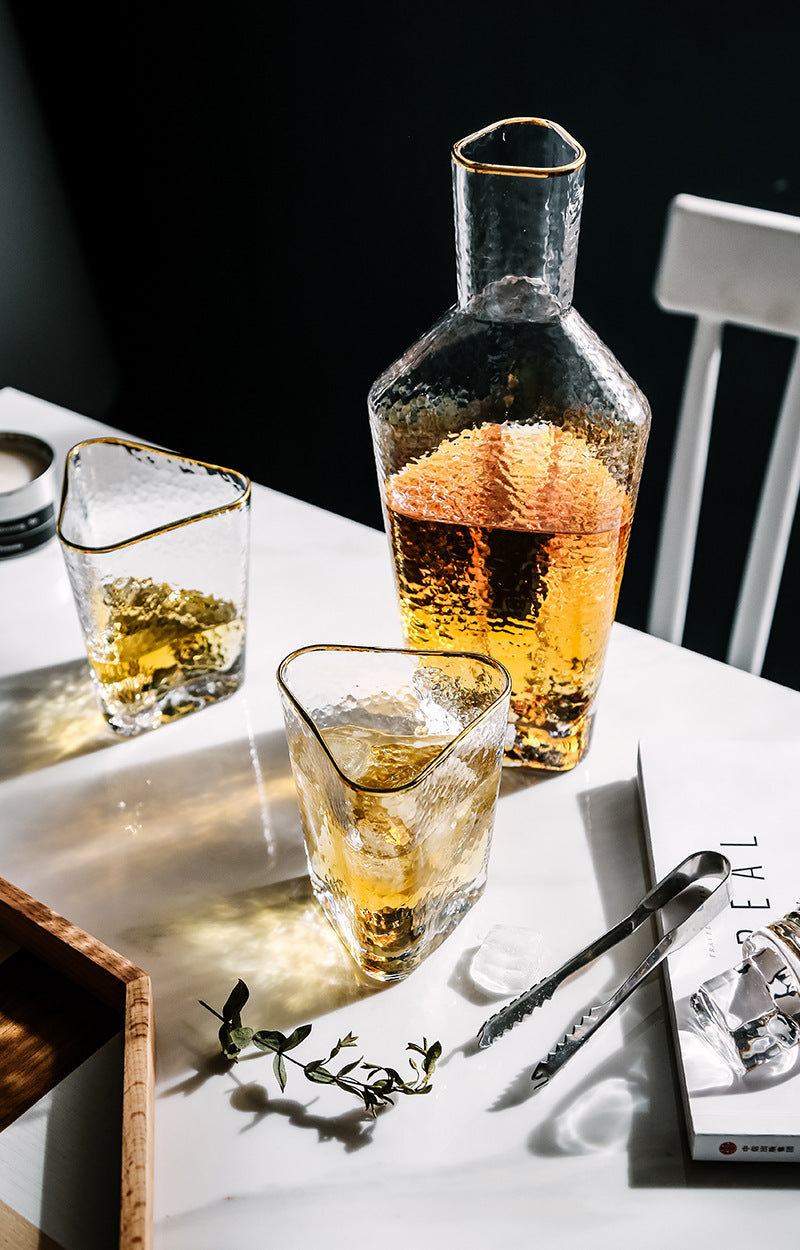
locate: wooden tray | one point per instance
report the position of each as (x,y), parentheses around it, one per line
(63,994)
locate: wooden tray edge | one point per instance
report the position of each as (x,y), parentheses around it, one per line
(125,987)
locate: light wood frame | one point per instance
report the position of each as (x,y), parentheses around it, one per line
(117,984)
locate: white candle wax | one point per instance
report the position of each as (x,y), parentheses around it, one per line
(17,468)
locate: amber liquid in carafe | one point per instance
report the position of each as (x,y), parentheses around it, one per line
(510,540)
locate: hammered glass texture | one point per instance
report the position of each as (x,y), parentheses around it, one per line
(396,855)
(524,228)
(509,445)
(172,535)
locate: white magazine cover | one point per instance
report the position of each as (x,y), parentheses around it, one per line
(742,799)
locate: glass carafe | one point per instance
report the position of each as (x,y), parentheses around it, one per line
(509,445)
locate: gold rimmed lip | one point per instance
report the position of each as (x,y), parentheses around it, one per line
(235,504)
(525,171)
(365,650)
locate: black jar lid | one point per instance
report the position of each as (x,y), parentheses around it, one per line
(27,492)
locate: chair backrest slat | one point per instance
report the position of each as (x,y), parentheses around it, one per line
(769,541)
(724,263)
(678,537)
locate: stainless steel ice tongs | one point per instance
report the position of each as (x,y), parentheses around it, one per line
(694,869)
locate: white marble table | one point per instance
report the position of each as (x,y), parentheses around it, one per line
(182,849)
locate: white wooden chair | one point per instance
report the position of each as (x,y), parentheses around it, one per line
(726,263)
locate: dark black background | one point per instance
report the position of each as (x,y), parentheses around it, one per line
(261,200)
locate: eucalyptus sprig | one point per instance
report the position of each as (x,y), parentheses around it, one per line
(375,1091)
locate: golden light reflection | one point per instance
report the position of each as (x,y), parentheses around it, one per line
(192,865)
(275,938)
(49,715)
(283,944)
(261,784)
(173,825)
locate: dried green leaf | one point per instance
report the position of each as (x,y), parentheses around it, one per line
(229,1049)
(432,1054)
(269,1039)
(299,1035)
(349,1067)
(236,1001)
(240,1037)
(320,1076)
(375,1091)
(279,1068)
(371,1102)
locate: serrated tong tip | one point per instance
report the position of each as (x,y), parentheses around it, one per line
(690,872)
(515,1011)
(540,1077)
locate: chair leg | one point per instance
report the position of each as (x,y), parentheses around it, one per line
(770,537)
(673,569)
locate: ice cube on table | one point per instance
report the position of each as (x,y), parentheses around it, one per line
(509,960)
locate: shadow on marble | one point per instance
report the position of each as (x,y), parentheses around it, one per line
(513,780)
(353,1128)
(49,715)
(619,863)
(600,1113)
(604,811)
